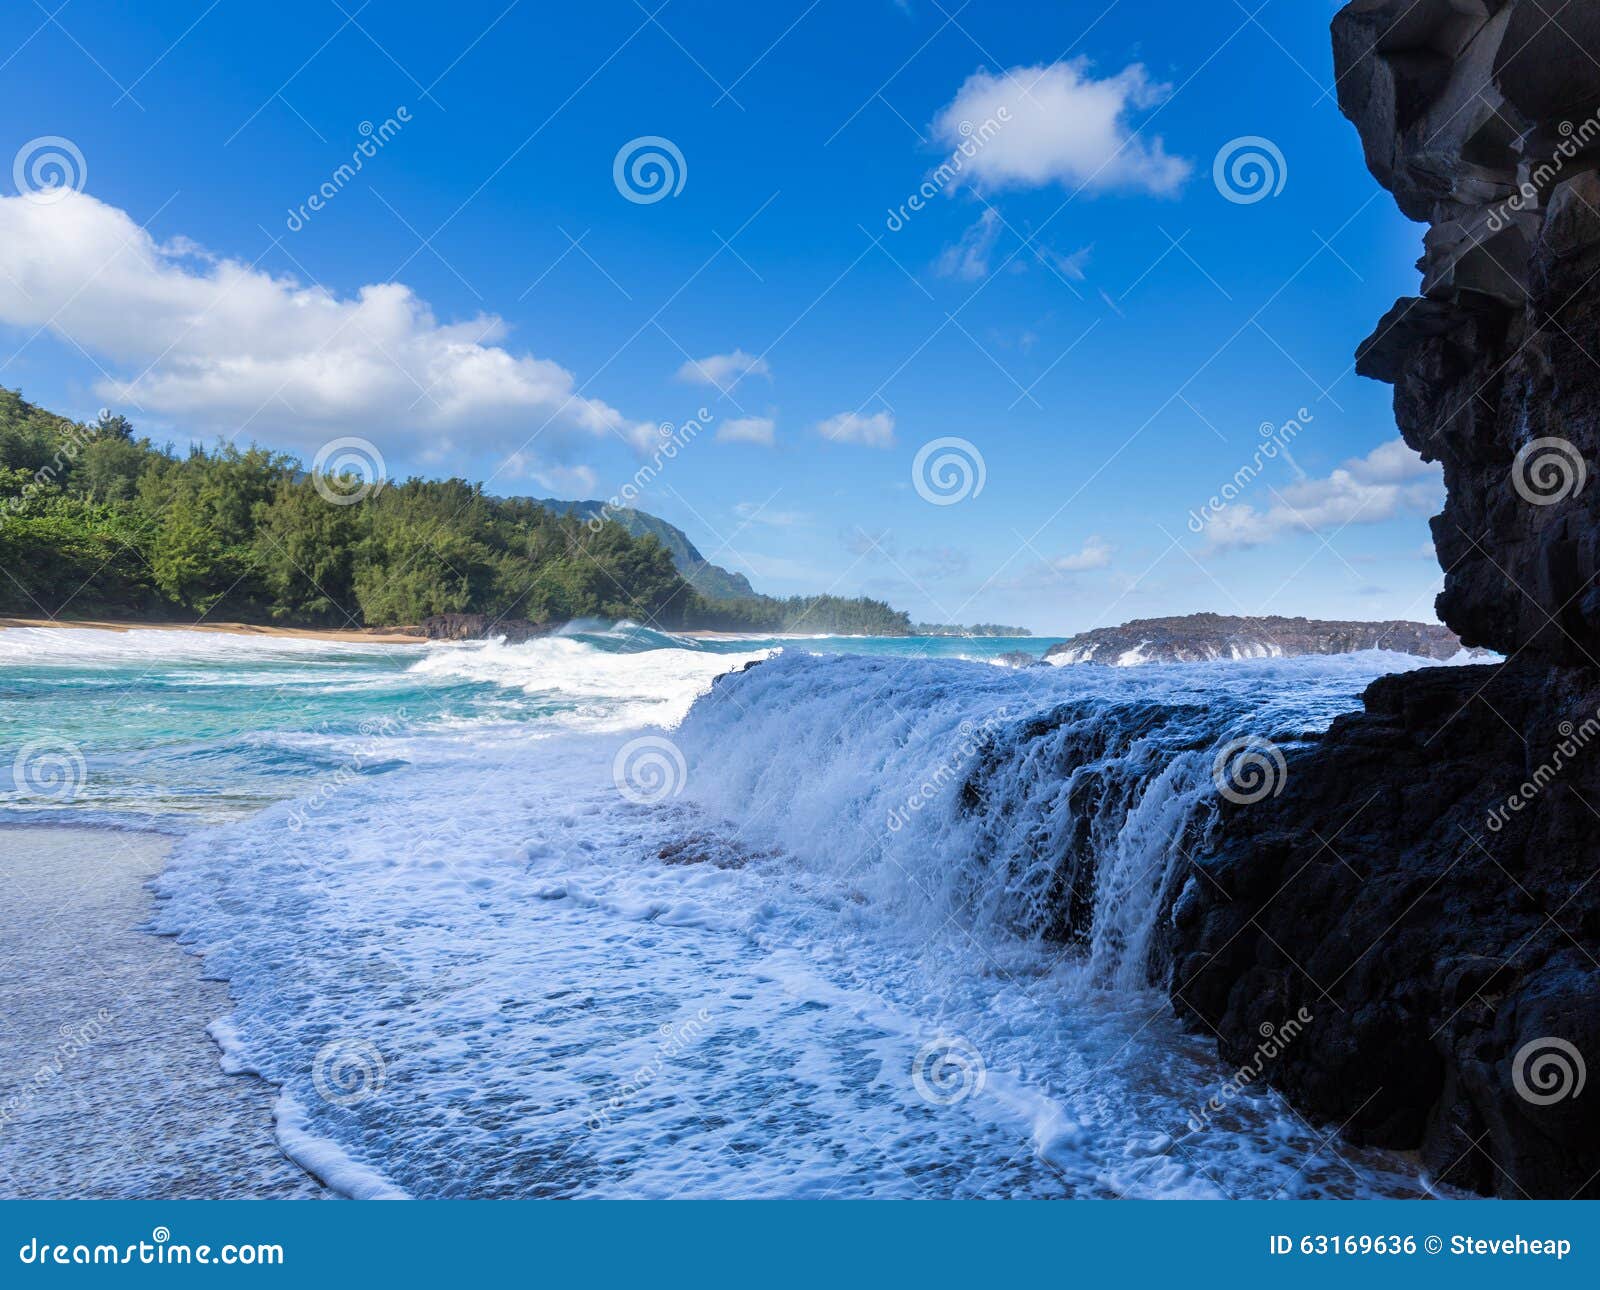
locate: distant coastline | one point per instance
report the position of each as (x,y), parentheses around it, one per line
(1198,638)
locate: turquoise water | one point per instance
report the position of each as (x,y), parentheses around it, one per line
(176,727)
(613,913)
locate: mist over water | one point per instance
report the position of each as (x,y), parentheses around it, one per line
(576,917)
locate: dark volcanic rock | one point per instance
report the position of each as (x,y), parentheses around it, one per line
(1431,929)
(1425,884)
(477,627)
(1481,118)
(1201,637)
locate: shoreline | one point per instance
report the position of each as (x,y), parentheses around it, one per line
(356,635)
(111,1083)
(400,636)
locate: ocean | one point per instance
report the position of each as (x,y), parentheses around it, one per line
(617,913)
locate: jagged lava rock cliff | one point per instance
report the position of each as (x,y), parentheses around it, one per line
(1426,881)
(1196,638)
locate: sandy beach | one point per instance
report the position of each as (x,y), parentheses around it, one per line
(103,1046)
(377,636)
(363,635)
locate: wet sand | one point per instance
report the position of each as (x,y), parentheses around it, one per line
(109,1083)
(370,636)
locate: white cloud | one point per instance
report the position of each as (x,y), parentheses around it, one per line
(876,431)
(759,513)
(724,371)
(1390,480)
(1068,266)
(1096,554)
(567,481)
(968,259)
(1061,125)
(761,430)
(230,349)
(1391,463)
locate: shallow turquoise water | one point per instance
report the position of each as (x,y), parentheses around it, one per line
(182,726)
(579,918)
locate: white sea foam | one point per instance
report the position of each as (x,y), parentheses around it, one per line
(324,1159)
(605,690)
(728,992)
(80,646)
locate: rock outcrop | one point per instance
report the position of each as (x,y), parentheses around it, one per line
(1205,637)
(1422,888)
(1481,118)
(1425,882)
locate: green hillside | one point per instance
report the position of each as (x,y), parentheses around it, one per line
(710,580)
(97,522)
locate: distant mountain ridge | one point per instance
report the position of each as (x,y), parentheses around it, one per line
(710,580)
(1197,638)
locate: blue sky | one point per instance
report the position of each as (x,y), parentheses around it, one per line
(1080,301)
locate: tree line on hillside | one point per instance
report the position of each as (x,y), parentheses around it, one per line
(96,522)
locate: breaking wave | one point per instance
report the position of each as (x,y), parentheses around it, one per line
(891,930)
(1035,804)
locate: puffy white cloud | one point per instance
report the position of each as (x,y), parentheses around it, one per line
(1390,480)
(1037,575)
(761,430)
(724,371)
(1058,124)
(1095,554)
(226,348)
(1391,463)
(875,431)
